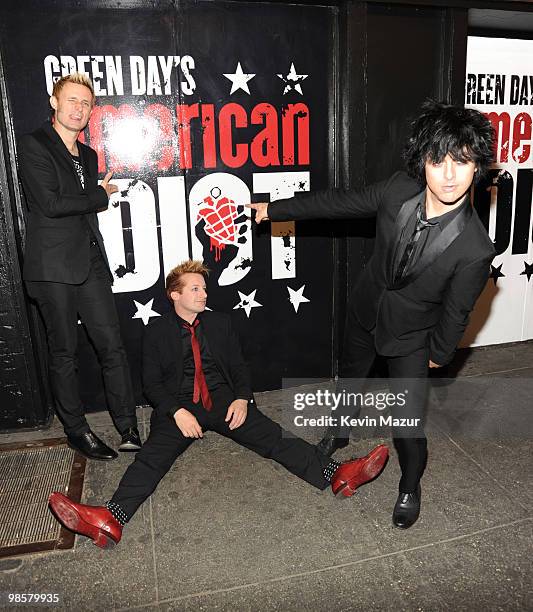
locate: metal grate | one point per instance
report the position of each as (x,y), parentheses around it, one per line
(28,474)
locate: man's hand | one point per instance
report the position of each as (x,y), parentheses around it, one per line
(261,211)
(432,364)
(187,423)
(237,411)
(109,187)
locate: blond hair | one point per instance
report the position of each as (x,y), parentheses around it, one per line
(174,280)
(79,78)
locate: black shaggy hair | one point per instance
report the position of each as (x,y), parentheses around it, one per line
(464,133)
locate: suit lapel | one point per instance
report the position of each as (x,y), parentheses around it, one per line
(60,148)
(398,238)
(91,219)
(85,163)
(446,237)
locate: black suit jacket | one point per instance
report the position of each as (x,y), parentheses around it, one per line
(435,300)
(57,240)
(162,362)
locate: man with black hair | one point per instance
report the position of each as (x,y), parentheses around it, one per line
(431,261)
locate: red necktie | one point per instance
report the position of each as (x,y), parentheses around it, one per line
(200,386)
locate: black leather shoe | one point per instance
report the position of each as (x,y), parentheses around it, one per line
(90,446)
(329,444)
(131,441)
(407,509)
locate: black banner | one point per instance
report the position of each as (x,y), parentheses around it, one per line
(201,108)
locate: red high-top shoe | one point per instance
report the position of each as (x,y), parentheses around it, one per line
(95,522)
(354,473)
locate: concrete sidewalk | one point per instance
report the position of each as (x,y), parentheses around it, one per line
(228,530)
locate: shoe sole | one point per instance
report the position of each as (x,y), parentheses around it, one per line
(129,448)
(69,517)
(372,469)
(405,525)
(74,448)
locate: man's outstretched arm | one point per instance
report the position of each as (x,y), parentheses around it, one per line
(326,204)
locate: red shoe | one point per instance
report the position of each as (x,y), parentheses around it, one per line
(354,473)
(95,522)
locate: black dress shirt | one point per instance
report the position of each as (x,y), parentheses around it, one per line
(423,233)
(213,378)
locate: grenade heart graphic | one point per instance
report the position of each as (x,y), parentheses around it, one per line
(221,216)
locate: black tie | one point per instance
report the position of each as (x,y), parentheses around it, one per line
(421,224)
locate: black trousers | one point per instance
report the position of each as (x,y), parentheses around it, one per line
(258,433)
(408,373)
(92,301)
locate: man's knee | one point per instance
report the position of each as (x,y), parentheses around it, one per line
(263,435)
(153,459)
(109,348)
(61,358)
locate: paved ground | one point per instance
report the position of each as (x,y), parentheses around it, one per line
(227,530)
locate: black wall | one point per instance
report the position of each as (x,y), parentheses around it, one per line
(266,40)
(396,56)
(370,65)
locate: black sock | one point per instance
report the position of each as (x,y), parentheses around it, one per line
(117,512)
(330,469)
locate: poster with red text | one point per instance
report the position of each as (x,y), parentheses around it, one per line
(201,108)
(499,82)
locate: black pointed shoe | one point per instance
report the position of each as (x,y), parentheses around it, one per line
(330,443)
(407,509)
(89,445)
(131,441)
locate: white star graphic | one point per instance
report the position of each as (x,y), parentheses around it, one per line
(297,297)
(247,302)
(292,80)
(144,311)
(239,80)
